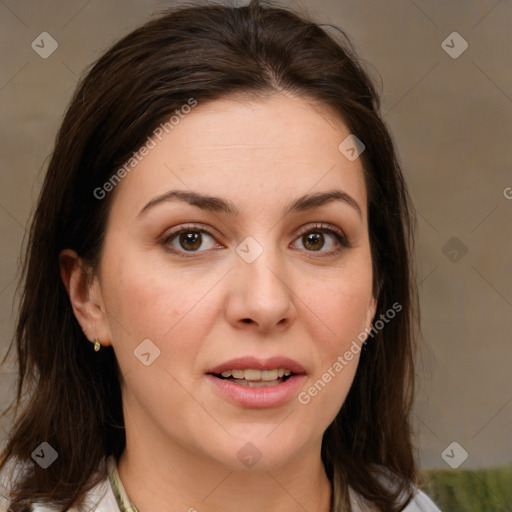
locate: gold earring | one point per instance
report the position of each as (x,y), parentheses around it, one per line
(97,345)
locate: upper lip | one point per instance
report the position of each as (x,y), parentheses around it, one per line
(253,363)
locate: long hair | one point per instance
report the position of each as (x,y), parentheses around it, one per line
(205,52)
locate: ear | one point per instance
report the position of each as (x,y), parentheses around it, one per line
(370,314)
(85,296)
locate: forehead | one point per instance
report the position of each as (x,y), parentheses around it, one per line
(253,151)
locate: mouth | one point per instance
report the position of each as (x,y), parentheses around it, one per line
(254,378)
(255,383)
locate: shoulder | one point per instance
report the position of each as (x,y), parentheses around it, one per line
(420,502)
(99,498)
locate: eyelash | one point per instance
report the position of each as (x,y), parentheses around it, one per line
(343,241)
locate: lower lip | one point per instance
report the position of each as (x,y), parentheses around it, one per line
(258,397)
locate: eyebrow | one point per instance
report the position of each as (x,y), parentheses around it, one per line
(219,204)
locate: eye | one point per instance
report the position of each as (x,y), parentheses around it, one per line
(313,239)
(188,239)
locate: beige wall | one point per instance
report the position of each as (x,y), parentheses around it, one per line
(452,120)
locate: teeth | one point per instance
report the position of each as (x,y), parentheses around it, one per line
(267,375)
(257,375)
(259,384)
(253,375)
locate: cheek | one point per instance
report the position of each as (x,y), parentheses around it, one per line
(342,305)
(142,304)
(343,311)
(143,294)
(148,306)
(147,299)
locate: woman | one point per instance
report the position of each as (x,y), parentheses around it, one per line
(218,306)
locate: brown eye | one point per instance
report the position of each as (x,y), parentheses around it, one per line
(189,240)
(314,239)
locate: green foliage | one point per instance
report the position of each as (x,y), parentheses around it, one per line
(463,490)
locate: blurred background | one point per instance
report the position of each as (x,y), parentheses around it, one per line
(444,69)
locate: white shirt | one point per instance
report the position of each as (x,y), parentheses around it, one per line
(101,498)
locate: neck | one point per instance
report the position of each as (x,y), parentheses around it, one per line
(177,479)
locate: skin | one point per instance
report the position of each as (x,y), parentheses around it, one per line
(182,436)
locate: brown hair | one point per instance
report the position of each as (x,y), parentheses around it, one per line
(204,52)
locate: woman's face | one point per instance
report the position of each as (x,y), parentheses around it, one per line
(255,281)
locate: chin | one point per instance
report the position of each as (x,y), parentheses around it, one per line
(257,449)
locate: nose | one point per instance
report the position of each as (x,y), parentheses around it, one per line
(260,295)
